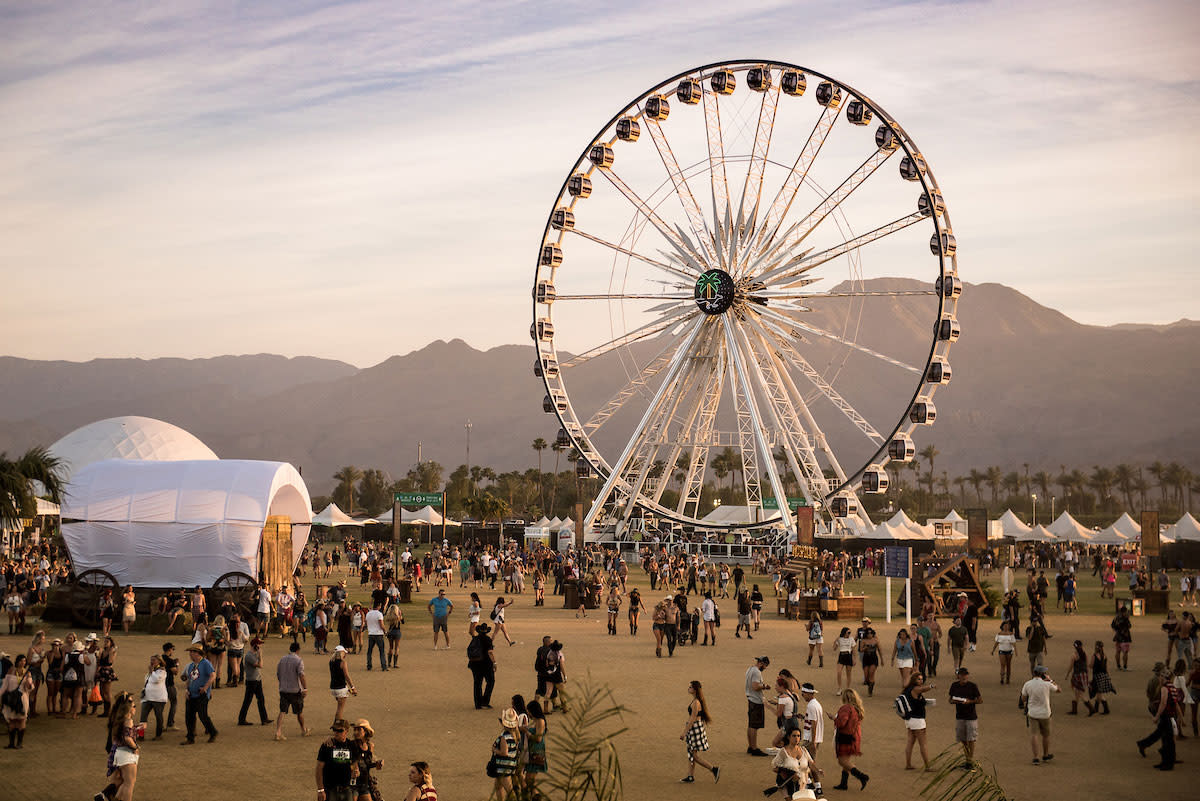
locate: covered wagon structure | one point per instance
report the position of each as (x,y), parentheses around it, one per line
(223,525)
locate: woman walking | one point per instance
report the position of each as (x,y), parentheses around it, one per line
(1101,682)
(498,619)
(108,611)
(154,694)
(473,614)
(216,641)
(845,645)
(914,696)
(868,646)
(903,656)
(847,741)
(105,675)
(128,608)
(614,609)
(239,636)
(340,685)
(636,607)
(504,754)
(35,658)
(422,783)
(366,786)
(1006,642)
(535,738)
(815,639)
(659,625)
(14,692)
(124,753)
(695,734)
(392,620)
(1077,675)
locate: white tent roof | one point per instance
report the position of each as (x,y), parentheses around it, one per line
(953,517)
(1127,526)
(179,524)
(732,514)
(568,525)
(889,531)
(1186,529)
(419,516)
(543,523)
(45,507)
(332,516)
(1110,536)
(142,438)
(1013,526)
(554,524)
(902,519)
(1068,528)
(1038,533)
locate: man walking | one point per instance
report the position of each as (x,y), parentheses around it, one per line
(743,609)
(1163,705)
(756,711)
(337,765)
(171,666)
(814,724)
(1035,699)
(481,659)
(376,636)
(441,607)
(200,675)
(293,686)
(252,680)
(964,694)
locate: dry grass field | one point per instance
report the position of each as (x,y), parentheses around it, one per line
(423,711)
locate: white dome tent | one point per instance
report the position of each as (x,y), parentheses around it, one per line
(180,523)
(1127,526)
(1185,530)
(129,437)
(332,516)
(1013,526)
(1038,533)
(1069,529)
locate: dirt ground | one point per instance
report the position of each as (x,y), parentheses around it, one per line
(424,711)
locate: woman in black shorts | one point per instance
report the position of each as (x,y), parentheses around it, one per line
(868,646)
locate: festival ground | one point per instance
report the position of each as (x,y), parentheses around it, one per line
(424,712)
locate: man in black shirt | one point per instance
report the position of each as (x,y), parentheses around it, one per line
(171,666)
(337,766)
(964,694)
(481,659)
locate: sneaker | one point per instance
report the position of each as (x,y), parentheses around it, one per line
(687,779)
(188,741)
(99,797)
(212,738)
(244,723)
(1048,757)
(1037,761)
(716,771)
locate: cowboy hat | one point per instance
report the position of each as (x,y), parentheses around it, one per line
(365,725)
(508,718)
(197,647)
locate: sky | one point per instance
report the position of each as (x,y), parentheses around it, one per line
(353,180)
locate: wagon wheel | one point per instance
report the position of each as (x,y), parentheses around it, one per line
(86,592)
(242,588)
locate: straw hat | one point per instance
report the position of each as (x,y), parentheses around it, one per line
(508,718)
(197,647)
(78,646)
(365,725)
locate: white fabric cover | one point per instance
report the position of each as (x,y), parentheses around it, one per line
(1127,526)
(45,507)
(129,437)
(179,524)
(1038,533)
(1013,526)
(1068,528)
(1186,530)
(1110,536)
(732,514)
(332,516)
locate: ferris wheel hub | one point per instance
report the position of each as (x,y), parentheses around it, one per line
(714,291)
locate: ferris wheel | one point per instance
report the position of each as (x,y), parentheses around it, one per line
(750,273)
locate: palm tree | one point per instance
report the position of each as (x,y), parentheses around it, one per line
(17,498)
(343,494)
(961,483)
(1124,477)
(976,479)
(1101,481)
(995,477)
(1157,471)
(721,467)
(1012,483)
(1042,479)
(487,506)
(540,445)
(682,463)
(558,451)
(1141,487)
(929,453)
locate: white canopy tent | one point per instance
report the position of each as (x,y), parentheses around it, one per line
(1109,536)
(426,515)
(1069,529)
(332,517)
(45,507)
(729,513)
(898,533)
(1185,530)
(1038,533)
(179,523)
(1127,526)
(1013,526)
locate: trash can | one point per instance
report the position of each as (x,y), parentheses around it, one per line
(570,595)
(405,591)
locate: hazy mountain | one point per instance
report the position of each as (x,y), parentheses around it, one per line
(1030,385)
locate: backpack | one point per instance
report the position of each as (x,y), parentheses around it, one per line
(539,661)
(475,650)
(903,707)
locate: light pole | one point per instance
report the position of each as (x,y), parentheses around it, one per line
(418,453)
(1034,496)
(468,427)
(1051,508)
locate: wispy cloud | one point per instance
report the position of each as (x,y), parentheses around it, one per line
(354,179)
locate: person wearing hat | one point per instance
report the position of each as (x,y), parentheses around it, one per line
(481,660)
(814,722)
(1035,700)
(364,738)
(199,675)
(755,708)
(337,765)
(504,753)
(74,679)
(252,682)
(964,694)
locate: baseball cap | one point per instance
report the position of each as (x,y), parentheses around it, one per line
(962,671)
(766,660)
(339,648)
(1042,670)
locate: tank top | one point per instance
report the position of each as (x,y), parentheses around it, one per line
(337,676)
(1100,665)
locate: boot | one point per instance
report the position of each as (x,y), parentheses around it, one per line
(1092,709)
(20,738)
(809,659)
(870,688)
(1105,712)
(842,784)
(820,661)
(1074,708)
(107,708)
(862,777)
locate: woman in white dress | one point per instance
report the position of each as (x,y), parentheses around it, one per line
(793,766)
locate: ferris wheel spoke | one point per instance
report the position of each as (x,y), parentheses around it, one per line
(618,467)
(693,484)
(816,331)
(685,252)
(647,330)
(804,262)
(682,191)
(759,447)
(787,193)
(752,188)
(779,338)
(716,170)
(673,270)
(798,232)
(797,445)
(631,296)
(786,295)
(632,387)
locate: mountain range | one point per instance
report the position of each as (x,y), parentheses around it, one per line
(1029,386)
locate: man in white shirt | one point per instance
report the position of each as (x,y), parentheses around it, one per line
(756,711)
(814,725)
(262,613)
(708,613)
(375,637)
(1035,698)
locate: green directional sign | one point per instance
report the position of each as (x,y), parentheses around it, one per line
(418,498)
(793,503)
